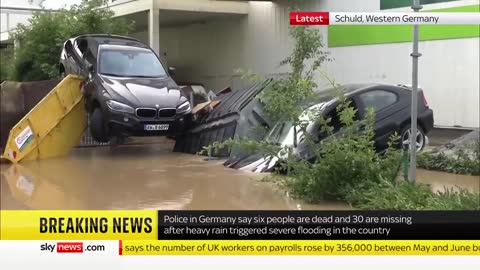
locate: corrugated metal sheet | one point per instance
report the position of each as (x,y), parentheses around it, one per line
(233,117)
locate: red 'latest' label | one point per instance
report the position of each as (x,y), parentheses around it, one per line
(69,247)
(309,18)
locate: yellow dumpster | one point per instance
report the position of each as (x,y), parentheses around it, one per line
(53,127)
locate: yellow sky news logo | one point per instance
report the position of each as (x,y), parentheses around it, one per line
(74,225)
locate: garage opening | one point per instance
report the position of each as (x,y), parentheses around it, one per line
(203,47)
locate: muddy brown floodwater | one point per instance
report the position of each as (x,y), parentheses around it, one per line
(138,177)
(150,176)
(438,181)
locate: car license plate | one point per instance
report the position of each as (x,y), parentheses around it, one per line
(156,127)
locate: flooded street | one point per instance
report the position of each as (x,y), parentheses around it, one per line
(438,181)
(150,176)
(138,177)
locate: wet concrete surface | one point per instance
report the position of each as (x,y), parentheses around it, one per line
(138,177)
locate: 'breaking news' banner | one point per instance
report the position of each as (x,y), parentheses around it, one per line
(242,232)
(393,18)
(240,225)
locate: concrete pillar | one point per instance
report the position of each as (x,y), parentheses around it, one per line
(154,29)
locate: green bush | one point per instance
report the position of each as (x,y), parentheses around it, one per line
(452,199)
(465,160)
(39,43)
(389,195)
(344,161)
(402,195)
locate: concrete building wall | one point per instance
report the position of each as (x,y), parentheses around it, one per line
(210,52)
(448,73)
(448,69)
(10,18)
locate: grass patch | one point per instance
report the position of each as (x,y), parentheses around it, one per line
(464,161)
(393,195)
(388,195)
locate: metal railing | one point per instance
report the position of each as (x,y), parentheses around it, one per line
(87,139)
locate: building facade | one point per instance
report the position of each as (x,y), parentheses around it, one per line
(13,12)
(207,40)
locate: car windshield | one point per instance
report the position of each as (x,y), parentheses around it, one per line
(279,132)
(130,63)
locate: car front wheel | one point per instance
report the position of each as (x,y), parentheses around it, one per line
(97,126)
(406,134)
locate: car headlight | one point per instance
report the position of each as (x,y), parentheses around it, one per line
(119,107)
(184,107)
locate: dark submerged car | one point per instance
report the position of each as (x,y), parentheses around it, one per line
(391,103)
(128,91)
(392,106)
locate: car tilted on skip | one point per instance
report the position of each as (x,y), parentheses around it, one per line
(128,92)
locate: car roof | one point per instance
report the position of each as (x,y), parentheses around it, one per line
(347,89)
(100,39)
(123,47)
(351,89)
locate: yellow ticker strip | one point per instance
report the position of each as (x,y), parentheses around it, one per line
(302,247)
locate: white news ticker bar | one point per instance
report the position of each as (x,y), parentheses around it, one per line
(436,18)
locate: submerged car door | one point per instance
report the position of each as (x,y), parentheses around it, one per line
(385,104)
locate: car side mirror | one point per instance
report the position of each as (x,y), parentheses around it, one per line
(172,71)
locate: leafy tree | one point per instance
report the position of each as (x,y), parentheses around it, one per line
(285,95)
(6,61)
(40,42)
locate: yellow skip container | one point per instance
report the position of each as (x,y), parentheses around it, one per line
(53,127)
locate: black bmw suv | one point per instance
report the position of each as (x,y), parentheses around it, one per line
(127,91)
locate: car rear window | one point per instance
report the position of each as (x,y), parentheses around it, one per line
(378,99)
